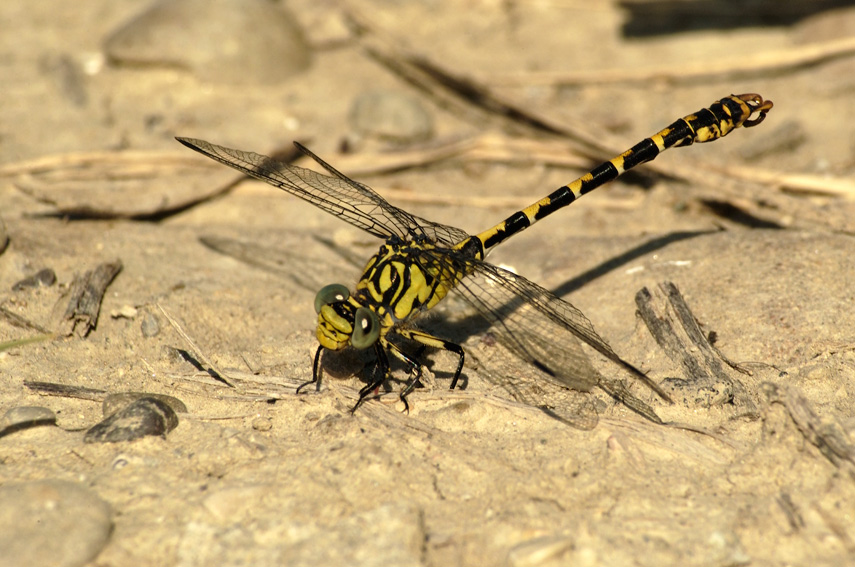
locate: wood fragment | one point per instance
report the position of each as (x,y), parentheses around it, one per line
(66,390)
(73,164)
(829,437)
(103,184)
(84,304)
(677,332)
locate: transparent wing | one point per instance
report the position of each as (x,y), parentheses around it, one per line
(435,232)
(545,331)
(338,195)
(519,378)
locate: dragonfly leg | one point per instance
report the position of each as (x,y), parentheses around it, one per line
(317,372)
(383,364)
(436,342)
(415,372)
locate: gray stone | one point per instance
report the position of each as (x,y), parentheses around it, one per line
(51,522)
(146,416)
(115,402)
(150,326)
(26,416)
(42,278)
(228,41)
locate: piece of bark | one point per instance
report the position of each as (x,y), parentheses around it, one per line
(84,303)
(827,436)
(677,332)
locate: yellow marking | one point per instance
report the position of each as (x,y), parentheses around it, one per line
(384,282)
(333,330)
(659,139)
(576,188)
(418,289)
(709,133)
(370,281)
(424,338)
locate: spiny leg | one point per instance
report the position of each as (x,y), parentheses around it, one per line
(415,372)
(436,342)
(384,374)
(316,372)
(382,362)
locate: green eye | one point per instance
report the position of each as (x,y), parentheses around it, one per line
(332,293)
(366,328)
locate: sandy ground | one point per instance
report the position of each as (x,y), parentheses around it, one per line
(760,469)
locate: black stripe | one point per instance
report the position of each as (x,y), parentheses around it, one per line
(513,224)
(642,152)
(559,198)
(735,108)
(600,175)
(472,248)
(682,132)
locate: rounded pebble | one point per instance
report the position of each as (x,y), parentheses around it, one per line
(392,116)
(115,402)
(26,416)
(146,416)
(262,423)
(42,278)
(229,41)
(150,326)
(51,522)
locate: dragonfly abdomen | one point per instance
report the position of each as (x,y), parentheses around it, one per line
(706,125)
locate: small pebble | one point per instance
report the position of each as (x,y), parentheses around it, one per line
(51,522)
(24,417)
(227,41)
(145,416)
(124,312)
(262,423)
(391,116)
(42,278)
(150,326)
(172,355)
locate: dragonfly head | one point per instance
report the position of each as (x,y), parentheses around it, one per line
(342,321)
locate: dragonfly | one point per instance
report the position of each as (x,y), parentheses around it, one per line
(421,261)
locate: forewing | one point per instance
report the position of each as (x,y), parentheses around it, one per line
(411,224)
(338,195)
(441,233)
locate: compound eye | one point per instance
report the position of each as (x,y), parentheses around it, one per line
(332,293)
(366,328)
